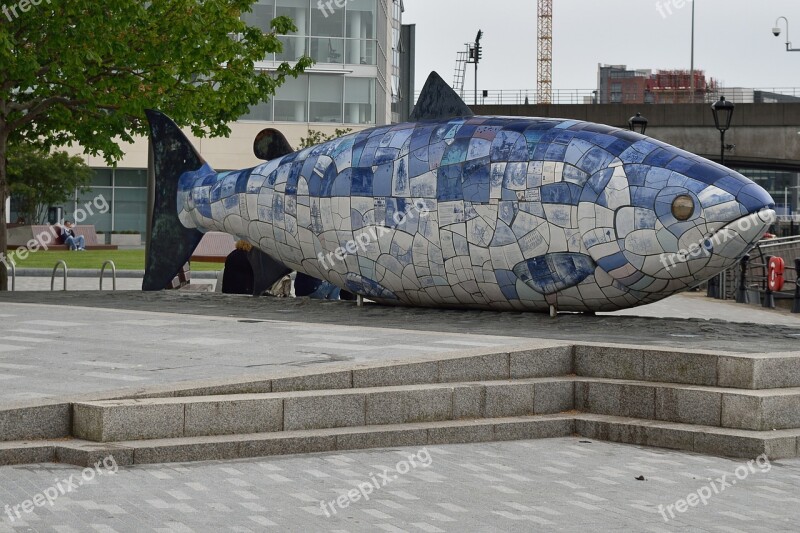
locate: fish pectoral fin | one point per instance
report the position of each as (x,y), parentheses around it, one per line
(271,144)
(438,101)
(550,273)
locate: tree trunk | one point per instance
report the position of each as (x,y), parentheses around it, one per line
(3,197)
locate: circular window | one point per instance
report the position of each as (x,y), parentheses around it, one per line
(683,207)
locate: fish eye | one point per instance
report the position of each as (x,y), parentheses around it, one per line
(683,207)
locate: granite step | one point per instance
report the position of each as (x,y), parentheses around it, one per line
(756,410)
(155,418)
(701,439)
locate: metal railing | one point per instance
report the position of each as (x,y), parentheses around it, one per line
(53,275)
(748,282)
(113,274)
(589,96)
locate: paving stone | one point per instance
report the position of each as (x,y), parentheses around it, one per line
(746,446)
(508,399)
(541,362)
(609,362)
(688,406)
(36,422)
(19,453)
(312,412)
(228,417)
(408,406)
(118,421)
(323,381)
(469,401)
(407,436)
(534,429)
(481,368)
(403,374)
(617,399)
(680,367)
(553,397)
(478,431)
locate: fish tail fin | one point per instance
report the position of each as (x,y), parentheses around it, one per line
(171,244)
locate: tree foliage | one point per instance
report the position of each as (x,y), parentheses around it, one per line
(40,179)
(82,71)
(317,137)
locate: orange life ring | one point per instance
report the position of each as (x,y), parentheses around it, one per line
(775,278)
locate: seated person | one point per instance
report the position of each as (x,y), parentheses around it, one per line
(237,278)
(67,236)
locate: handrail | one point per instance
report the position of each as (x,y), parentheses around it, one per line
(13,276)
(113,274)
(53,276)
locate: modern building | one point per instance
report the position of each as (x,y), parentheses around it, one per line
(357,82)
(616,84)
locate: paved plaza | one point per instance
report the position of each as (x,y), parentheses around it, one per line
(566,484)
(62,344)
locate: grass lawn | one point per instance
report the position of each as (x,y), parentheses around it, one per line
(123,259)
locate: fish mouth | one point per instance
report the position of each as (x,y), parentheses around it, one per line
(736,238)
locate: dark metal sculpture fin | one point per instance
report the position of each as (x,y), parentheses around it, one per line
(271,144)
(266,271)
(171,244)
(439,101)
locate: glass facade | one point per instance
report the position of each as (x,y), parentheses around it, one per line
(123,191)
(333,37)
(782,185)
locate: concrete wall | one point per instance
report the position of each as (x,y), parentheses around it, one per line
(764,134)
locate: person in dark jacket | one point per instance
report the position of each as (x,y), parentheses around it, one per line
(238,275)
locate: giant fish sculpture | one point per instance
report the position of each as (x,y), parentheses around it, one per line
(461,211)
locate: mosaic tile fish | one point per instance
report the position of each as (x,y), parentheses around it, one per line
(470,212)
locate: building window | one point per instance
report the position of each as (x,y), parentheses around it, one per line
(359,101)
(291,100)
(327,96)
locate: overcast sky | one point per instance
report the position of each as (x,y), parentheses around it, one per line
(734,40)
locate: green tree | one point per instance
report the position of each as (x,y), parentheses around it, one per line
(317,137)
(39,179)
(82,71)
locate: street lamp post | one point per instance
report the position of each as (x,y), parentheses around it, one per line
(723,114)
(776,31)
(638,124)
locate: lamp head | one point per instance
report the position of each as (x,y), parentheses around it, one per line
(776,31)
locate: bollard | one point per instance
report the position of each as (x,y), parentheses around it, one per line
(741,292)
(796,304)
(769,297)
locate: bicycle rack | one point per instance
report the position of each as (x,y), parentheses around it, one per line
(13,276)
(53,276)
(113,274)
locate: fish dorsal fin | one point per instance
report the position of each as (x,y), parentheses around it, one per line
(439,101)
(271,144)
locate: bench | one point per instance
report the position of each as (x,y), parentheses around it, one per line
(214,247)
(20,236)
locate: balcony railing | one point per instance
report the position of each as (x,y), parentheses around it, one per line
(589,96)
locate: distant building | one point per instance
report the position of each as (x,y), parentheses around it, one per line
(616,84)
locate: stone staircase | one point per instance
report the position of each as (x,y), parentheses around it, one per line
(739,405)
